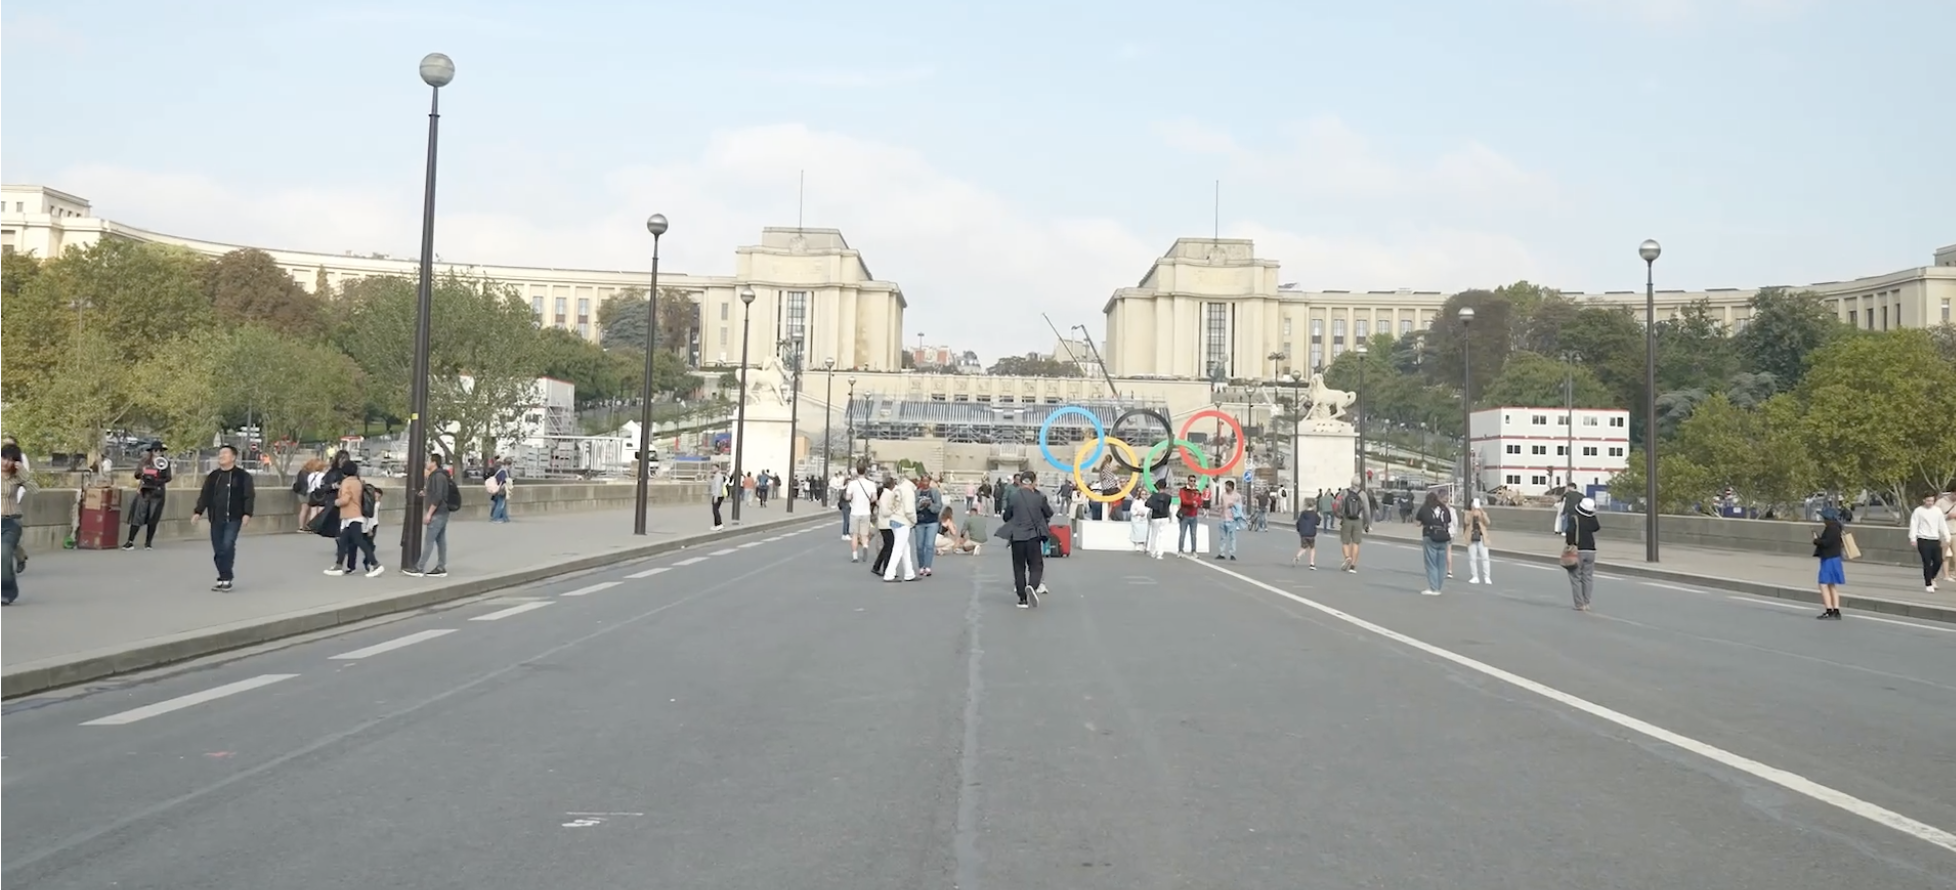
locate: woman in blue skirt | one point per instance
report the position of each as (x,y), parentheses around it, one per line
(1828,546)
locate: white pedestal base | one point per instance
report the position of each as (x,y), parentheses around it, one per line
(1089,534)
(1327,457)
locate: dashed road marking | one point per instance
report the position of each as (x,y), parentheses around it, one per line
(582,591)
(184,701)
(650,572)
(692,561)
(723,552)
(391,645)
(512,610)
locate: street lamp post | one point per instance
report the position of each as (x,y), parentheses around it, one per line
(1358,398)
(849,421)
(1296,469)
(437,71)
(656,224)
(1569,360)
(1466,407)
(794,418)
(1649,251)
(740,410)
(828,421)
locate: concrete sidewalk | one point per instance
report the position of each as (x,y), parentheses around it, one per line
(1892,590)
(84,615)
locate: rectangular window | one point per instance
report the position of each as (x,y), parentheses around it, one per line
(1618,421)
(1538,480)
(583,307)
(536,306)
(584,330)
(1317,356)
(1514,479)
(1945,310)
(1538,419)
(1561,420)
(1317,330)
(723,341)
(1538,449)
(1884,318)
(1405,326)
(1215,336)
(1617,451)
(1362,328)
(1337,349)
(1514,449)
(1287,329)
(1337,333)
(1589,421)
(1561,451)
(1590,451)
(792,320)
(563,306)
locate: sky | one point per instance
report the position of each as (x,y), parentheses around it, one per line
(1004,159)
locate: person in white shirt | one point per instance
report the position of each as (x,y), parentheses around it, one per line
(859,499)
(1928,527)
(902,522)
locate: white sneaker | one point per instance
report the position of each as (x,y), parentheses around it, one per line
(336,570)
(375,571)
(1429,593)
(1473,580)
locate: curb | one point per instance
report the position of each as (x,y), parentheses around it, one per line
(1944,614)
(47,674)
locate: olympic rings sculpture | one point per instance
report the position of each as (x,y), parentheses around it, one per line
(1192,455)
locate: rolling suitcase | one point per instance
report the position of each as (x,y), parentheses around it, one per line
(1059,540)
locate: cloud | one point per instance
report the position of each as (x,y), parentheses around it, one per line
(853,80)
(1324,158)
(977,266)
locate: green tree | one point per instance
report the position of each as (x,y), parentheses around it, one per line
(1785,329)
(248,287)
(1535,381)
(176,391)
(621,320)
(1682,486)
(1782,471)
(1878,410)
(1032,365)
(1716,438)
(1611,342)
(1694,351)
(295,389)
(1489,338)
(70,409)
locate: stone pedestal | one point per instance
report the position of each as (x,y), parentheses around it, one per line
(1327,456)
(1107,535)
(770,437)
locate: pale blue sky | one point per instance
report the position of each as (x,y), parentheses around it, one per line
(1012,155)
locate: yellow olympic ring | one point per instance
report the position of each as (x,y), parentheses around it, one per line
(1086,490)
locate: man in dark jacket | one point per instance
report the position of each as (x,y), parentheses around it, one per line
(227,500)
(152,478)
(1027,516)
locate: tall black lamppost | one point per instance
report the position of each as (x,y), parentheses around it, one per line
(828,419)
(656,224)
(740,410)
(1569,360)
(437,71)
(1296,469)
(1650,250)
(1466,407)
(1358,406)
(849,420)
(794,418)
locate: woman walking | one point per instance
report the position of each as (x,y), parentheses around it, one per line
(1436,538)
(1929,530)
(1480,565)
(1829,545)
(1579,552)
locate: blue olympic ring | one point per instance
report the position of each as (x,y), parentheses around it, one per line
(1046,430)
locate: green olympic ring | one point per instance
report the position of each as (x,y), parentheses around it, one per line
(1202,482)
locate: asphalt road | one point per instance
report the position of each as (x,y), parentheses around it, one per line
(772,718)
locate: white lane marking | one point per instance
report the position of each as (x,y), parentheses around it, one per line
(723,552)
(1790,781)
(184,701)
(1530,565)
(1857,616)
(1675,587)
(512,610)
(687,562)
(750,544)
(606,585)
(773,539)
(650,572)
(391,645)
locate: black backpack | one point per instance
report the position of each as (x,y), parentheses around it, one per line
(454,499)
(369,499)
(1354,505)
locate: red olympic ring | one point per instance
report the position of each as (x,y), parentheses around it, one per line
(1221,467)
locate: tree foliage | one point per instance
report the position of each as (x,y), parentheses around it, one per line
(1786,329)
(1878,412)
(621,320)
(1032,365)
(1533,380)
(248,287)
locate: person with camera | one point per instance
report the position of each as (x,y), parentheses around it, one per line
(16,486)
(153,476)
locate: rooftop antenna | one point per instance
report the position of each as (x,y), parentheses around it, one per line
(1218,216)
(801,196)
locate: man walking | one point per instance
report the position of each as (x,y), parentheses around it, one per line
(226,500)
(16,486)
(860,497)
(1027,516)
(716,494)
(1357,521)
(440,498)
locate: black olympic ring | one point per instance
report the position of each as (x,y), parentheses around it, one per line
(1168,432)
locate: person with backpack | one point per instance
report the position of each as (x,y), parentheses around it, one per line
(1307,538)
(1161,519)
(356,506)
(1353,509)
(441,497)
(1436,538)
(497,485)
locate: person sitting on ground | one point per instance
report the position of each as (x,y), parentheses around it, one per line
(950,539)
